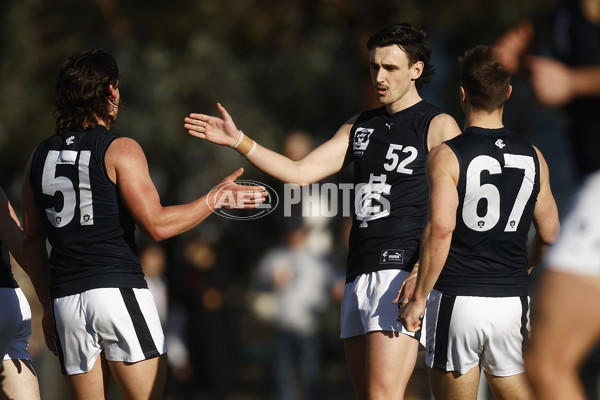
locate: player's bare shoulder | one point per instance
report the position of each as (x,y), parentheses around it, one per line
(346,128)
(441,159)
(442,127)
(122,154)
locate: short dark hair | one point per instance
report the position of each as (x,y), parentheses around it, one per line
(82,88)
(412,40)
(483,78)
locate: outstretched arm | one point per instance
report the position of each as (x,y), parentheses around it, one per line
(324,161)
(442,174)
(556,83)
(127,166)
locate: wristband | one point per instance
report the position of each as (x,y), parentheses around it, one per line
(252,149)
(239,140)
(245,145)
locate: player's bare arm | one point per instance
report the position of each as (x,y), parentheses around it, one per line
(127,166)
(442,175)
(325,160)
(35,258)
(407,287)
(556,83)
(11,233)
(442,127)
(545,216)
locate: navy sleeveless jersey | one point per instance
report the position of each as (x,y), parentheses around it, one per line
(391,190)
(88,226)
(497,187)
(6,277)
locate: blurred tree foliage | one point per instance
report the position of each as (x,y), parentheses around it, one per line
(276,66)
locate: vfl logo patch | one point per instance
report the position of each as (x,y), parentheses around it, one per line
(361,140)
(392,256)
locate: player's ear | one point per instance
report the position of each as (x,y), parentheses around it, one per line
(462,93)
(417,70)
(112,91)
(508,92)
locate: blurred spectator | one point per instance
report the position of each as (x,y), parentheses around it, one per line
(571,79)
(198,335)
(296,146)
(566,318)
(154,262)
(300,283)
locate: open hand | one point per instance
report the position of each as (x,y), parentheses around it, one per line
(216,130)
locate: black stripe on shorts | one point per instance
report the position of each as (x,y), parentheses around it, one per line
(442,331)
(524,331)
(139,323)
(59,348)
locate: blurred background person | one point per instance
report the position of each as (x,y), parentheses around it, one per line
(200,320)
(570,79)
(154,262)
(301,284)
(566,317)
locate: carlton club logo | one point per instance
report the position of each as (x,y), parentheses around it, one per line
(361,140)
(232,204)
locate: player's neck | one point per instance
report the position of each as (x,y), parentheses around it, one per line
(484,119)
(407,100)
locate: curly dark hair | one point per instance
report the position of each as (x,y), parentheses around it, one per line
(412,40)
(82,88)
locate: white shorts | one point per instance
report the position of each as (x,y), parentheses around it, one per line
(15,324)
(367,304)
(465,331)
(123,323)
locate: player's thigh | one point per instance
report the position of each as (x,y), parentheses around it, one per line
(513,387)
(141,380)
(18,381)
(92,384)
(451,385)
(354,348)
(565,311)
(390,361)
